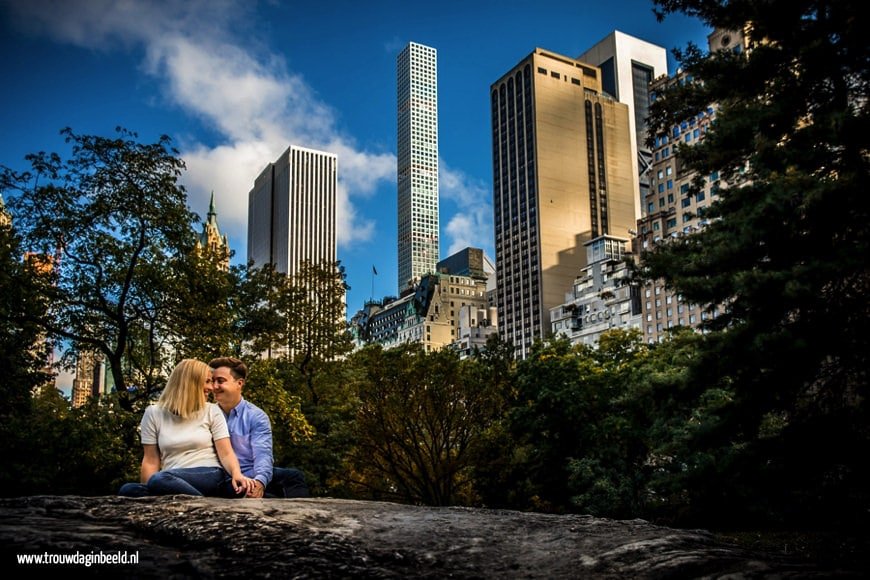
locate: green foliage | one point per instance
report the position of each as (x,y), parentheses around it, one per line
(87,451)
(332,417)
(107,220)
(23,351)
(305,321)
(23,354)
(420,415)
(266,388)
(781,380)
(581,425)
(200,306)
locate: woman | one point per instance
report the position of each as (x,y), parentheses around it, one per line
(185,440)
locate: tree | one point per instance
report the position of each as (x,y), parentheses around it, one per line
(110,218)
(420,416)
(312,328)
(786,251)
(494,477)
(266,389)
(580,426)
(24,352)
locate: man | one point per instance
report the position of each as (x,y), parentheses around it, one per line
(251,434)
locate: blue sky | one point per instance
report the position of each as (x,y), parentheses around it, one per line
(234,82)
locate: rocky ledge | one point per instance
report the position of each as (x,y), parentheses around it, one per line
(186,537)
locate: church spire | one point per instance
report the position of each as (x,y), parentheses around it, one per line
(211,239)
(212,213)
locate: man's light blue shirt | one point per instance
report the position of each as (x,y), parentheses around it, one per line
(251,438)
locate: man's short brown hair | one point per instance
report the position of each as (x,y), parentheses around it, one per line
(238,369)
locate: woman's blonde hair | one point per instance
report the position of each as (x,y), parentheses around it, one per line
(183,395)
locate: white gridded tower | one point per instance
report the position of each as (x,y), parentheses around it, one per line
(417,91)
(292,211)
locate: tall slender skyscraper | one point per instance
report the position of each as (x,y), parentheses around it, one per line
(628,65)
(417,90)
(291,211)
(562,175)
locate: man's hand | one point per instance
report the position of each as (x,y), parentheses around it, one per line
(257,490)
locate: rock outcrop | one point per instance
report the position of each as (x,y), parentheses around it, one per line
(186,537)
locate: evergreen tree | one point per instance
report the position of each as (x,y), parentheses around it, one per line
(786,253)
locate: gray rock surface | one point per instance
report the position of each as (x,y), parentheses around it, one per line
(186,537)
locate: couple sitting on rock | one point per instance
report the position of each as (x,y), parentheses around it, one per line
(190,445)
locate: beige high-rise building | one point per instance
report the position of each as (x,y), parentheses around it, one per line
(628,65)
(563,174)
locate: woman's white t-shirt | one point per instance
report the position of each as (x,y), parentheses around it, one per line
(184,442)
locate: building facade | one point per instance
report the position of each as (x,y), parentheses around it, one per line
(602,298)
(417,163)
(563,174)
(476,325)
(90,378)
(291,211)
(673,207)
(431,312)
(628,65)
(5,218)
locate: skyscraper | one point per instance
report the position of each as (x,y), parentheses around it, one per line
(417,91)
(562,175)
(291,211)
(628,65)
(90,378)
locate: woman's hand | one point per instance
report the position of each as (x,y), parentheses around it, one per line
(228,459)
(242,484)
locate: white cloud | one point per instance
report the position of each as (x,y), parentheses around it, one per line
(251,100)
(472,224)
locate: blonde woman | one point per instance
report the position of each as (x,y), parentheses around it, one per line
(185,440)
